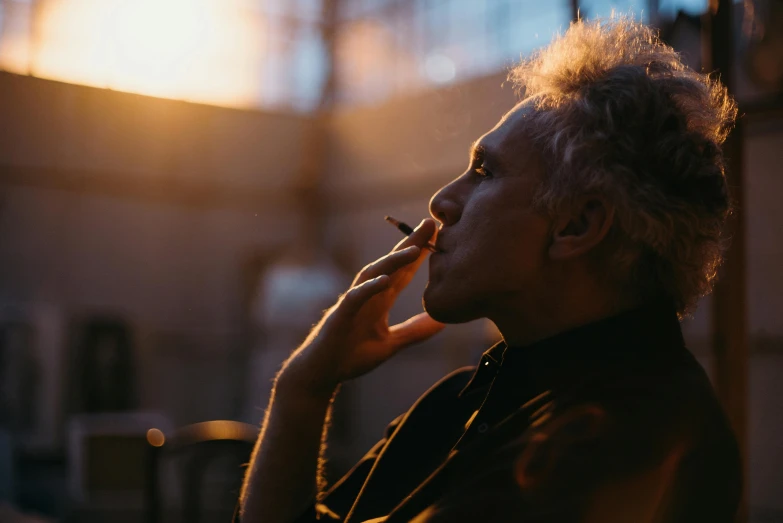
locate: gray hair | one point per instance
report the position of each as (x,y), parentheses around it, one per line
(617,113)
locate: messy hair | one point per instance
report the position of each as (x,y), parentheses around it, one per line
(618,114)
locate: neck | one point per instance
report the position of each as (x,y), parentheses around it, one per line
(528,321)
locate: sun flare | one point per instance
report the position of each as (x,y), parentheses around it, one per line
(208,51)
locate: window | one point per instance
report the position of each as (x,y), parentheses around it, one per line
(591,9)
(270,53)
(392,47)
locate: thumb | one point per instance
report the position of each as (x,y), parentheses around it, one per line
(414,330)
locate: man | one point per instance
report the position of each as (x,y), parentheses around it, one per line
(588,219)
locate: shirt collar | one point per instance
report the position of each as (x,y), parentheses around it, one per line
(646,332)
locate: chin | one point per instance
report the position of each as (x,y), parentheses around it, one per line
(448,307)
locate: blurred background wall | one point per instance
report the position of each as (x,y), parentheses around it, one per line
(144,209)
(151,186)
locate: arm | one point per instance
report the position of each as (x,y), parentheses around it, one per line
(352,338)
(281,478)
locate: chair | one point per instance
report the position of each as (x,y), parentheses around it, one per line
(229,443)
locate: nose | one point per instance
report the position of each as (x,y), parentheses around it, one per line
(445,206)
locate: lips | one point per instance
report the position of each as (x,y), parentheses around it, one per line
(439,244)
(438,241)
(436,263)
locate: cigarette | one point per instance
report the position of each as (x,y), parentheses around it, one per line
(407,230)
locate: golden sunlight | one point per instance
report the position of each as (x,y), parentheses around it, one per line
(208,51)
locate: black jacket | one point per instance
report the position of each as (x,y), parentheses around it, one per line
(613,421)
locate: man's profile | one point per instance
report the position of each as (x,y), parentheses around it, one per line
(589,220)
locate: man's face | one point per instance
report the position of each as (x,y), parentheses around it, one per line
(494,245)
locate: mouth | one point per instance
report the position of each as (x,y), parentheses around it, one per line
(438,244)
(437,241)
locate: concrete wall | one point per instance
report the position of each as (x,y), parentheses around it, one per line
(113,203)
(393,151)
(119,135)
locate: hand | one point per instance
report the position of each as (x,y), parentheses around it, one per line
(354,335)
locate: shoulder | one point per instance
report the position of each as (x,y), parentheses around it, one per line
(657,403)
(668,384)
(674,404)
(711,472)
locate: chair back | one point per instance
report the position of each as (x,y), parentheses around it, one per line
(212,456)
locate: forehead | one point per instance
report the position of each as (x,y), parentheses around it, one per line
(510,130)
(508,141)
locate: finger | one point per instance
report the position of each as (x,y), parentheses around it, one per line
(402,277)
(414,330)
(420,235)
(388,264)
(357,296)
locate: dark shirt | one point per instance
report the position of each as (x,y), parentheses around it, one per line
(613,421)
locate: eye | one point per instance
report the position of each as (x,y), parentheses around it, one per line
(483,172)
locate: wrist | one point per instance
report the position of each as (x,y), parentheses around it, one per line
(296,379)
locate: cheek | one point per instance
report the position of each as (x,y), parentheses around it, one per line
(509,228)
(520,248)
(507,253)
(502,242)
(528,242)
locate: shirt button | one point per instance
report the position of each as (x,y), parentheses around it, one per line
(486,363)
(482,428)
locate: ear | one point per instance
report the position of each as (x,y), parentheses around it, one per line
(577,232)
